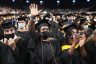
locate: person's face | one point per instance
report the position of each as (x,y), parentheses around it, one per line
(72,17)
(9,31)
(74,30)
(81,32)
(44,28)
(21,24)
(21,21)
(78,22)
(58,17)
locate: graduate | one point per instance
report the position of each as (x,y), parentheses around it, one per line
(48,48)
(6,54)
(89,48)
(7,44)
(18,44)
(71,49)
(8,33)
(22,28)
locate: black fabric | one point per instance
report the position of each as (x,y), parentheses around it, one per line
(90,47)
(41,23)
(34,59)
(6,54)
(9,36)
(53,26)
(47,52)
(21,52)
(8,24)
(66,58)
(25,34)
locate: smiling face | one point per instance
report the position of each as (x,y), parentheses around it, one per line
(44,28)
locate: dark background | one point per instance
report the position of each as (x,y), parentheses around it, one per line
(52,4)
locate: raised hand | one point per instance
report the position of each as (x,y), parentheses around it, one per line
(34,9)
(82,40)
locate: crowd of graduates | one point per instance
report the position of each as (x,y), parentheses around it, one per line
(48,38)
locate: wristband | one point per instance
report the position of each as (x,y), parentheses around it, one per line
(32,17)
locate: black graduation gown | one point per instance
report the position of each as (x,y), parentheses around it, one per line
(90,47)
(25,34)
(25,51)
(34,59)
(6,54)
(66,58)
(21,51)
(45,53)
(54,26)
(59,36)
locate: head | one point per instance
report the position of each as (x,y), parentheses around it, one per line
(74,31)
(58,17)
(21,23)
(44,31)
(8,30)
(43,28)
(71,17)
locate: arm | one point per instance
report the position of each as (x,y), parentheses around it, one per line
(33,12)
(74,43)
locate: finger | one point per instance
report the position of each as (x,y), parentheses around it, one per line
(5,41)
(33,6)
(36,7)
(30,7)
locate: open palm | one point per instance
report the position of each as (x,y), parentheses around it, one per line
(34,9)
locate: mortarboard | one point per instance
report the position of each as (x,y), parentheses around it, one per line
(41,23)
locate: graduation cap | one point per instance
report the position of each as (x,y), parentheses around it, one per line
(41,23)
(84,13)
(8,24)
(80,18)
(23,18)
(47,15)
(70,15)
(63,22)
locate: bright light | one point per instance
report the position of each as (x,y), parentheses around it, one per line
(45,12)
(58,1)
(74,1)
(88,0)
(27,1)
(41,2)
(13,0)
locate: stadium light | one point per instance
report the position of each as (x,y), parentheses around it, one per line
(27,1)
(58,1)
(74,1)
(13,0)
(88,0)
(41,2)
